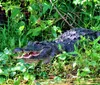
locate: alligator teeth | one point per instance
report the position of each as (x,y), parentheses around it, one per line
(35,53)
(30,54)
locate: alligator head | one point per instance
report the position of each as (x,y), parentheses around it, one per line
(38,50)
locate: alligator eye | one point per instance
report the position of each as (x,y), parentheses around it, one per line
(36,42)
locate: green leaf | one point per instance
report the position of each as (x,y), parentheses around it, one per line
(57,79)
(33,19)
(4,72)
(19,67)
(43,74)
(4,59)
(21,28)
(84,74)
(49,22)
(6,51)
(22,23)
(54,31)
(35,7)
(17,82)
(1,71)
(37,83)
(95,42)
(43,26)
(60,47)
(45,7)
(97,18)
(15,12)
(12,42)
(74,64)
(86,69)
(62,56)
(1,53)
(26,76)
(2,79)
(34,32)
(93,63)
(76,2)
(56,15)
(32,77)
(12,74)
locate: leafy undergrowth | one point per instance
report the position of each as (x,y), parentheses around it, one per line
(38,20)
(92,81)
(85,64)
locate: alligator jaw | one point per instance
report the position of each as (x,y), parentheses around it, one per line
(28,55)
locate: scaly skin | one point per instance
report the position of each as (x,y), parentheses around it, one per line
(67,40)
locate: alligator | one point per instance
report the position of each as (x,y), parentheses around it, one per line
(49,49)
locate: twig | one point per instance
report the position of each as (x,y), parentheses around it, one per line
(72,20)
(77,17)
(61,15)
